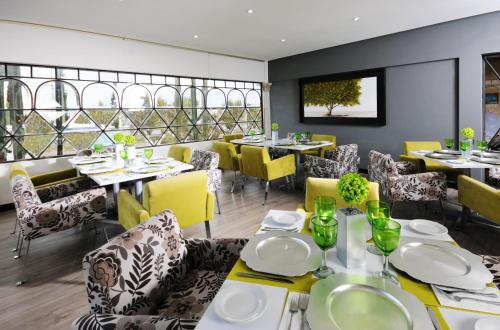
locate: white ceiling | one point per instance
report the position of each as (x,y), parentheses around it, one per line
(225,27)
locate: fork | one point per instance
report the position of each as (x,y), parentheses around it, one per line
(458,299)
(294,308)
(303,301)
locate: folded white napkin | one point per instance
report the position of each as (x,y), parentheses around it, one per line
(461,320)
(267,222)
(471,304)
(408,232)
(296,319)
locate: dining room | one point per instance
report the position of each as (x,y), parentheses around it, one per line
(249,165)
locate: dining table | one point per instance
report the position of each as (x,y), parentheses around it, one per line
(302,284)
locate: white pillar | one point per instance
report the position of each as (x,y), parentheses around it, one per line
(266,108)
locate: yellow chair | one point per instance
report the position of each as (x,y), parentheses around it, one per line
(255,162)
(228,158)
(427,165)
(186,194)
(477,196)
(180,153)
(328,187)
(230,137)
(321,151)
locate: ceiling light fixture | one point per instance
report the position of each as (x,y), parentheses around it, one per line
(355,19)
(283,40)
(196,36)
(250,11)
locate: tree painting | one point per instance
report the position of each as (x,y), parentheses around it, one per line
(332,94)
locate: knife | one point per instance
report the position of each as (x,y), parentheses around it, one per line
(265,277)
(434,318)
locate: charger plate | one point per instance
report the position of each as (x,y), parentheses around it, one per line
(88,161)
(98,169)
(437,155)
(282,253)
(441,263)
(348,302)
(486,154)
(148,169)
(448,152)
(486,160)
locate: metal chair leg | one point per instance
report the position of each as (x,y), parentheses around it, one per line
(443,216)
(266,193)
(292,182)
(18,255)
(15,227)
(463,218)
(243,179)
(234,182)
(207,229)
(17,244)
(25,262)
(217,201)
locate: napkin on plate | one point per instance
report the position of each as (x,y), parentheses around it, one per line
(471,304)
(267,222)
(296,320)
(461,320)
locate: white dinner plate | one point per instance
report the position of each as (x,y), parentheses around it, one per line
(487,323)
(285,219)
(161,160)
(240,303)
(282,253)
(455,161)
(349,302)
(98,169)
(441,263)
(148,169)
(427,227)
(89,161)
(101,156)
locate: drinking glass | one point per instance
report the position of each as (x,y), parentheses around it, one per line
(308,136)
(450,143)
(291,137)
(324,207)
(481,145)
(298,136)
(124,156)
(98,148)
(148,153)
(324,234)
(386,234)
(464,146)
(375,210)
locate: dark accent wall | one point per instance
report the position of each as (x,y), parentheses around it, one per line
(433,82)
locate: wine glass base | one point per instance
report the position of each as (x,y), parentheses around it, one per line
(391,276)
(323,272)
(373,249)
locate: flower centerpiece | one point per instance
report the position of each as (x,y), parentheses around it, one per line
(351,241)
(274,132)
(130,142)
(467,134)
(119,139)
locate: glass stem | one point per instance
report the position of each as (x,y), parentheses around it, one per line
(323,261)
(386,264)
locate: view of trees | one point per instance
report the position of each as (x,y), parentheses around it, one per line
(332,94)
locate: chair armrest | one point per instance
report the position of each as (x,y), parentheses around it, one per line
(118,321)
(130,211)
(64,213)
(418,187)
(323,150)
(210,205)
(60,189)
(418,162)
(52,177)
(479,197)
(214,254)
(280,167)
(406,167)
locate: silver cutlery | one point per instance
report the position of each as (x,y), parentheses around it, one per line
(265,228)
(303,301)
(458,290)
(294,308)
(458,299)
(434,318)
(265,277)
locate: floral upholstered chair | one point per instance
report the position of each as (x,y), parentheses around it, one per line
(57,211)
(152,278)
(493,265)
(209,161)
(338,162)
(400,182)
(493,176)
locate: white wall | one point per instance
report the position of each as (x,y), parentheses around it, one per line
(47,46)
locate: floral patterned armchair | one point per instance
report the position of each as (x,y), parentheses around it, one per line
(338,162)
(493,176)
(209,161)
(152,278)
(400,182)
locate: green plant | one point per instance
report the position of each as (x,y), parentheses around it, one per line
(119,137)
(275,126)
(353,188)
(467,133)
(130,140)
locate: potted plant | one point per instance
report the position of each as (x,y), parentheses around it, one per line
(351,240)
(130,145)
(274,132)
(467,134)
(119,139)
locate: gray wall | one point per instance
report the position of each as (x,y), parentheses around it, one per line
(433,82)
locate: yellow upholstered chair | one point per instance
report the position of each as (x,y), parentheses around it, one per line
(230,137)
(321,151)
(228,158)
(477,196)
(180,153)
(328,187)
(186,194)
(427,165)
(255,162)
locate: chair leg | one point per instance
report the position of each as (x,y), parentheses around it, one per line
(207,229)
(25,262)
(292,182)
(234,182)
(266,193)
(462,219)
(17,244)
(443,216)
(217,201)
(243,179)
(15,227)
(18,255)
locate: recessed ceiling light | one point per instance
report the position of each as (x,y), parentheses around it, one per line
(283,40)
(250,11)
(196,36)
(355,19)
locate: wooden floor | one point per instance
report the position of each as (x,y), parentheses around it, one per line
(55,295)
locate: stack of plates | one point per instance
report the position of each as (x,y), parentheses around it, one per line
(284,220)
(87,161)
(148,169)
(438,155)
(238,302)
(486,154)
(98,169)
(161,160)
(448,152)
(427,227)
(485,160)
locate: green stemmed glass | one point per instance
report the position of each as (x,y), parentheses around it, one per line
(375,210)
(386,234)
(481,145)
(148,154)
(464,146)
(98,148)
(325,207)
(324,234)
(449,143)
(124,156)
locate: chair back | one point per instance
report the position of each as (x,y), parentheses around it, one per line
(253,160)
(328,187)
(380,168)
(325,137)
(227,155)
(23,192)
(204,160)
(346,155)
(409,146)
(180,153)
(230,137)
(84,153)
(16,169)
(186,194)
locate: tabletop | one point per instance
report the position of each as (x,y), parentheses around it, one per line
(281,144)
(465,162)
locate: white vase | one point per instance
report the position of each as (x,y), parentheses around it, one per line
(274,136)
(351,240)
(131,152)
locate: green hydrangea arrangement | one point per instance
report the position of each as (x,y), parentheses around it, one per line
(353,188)
(275,126)
(119,137)
(130,140)
(467,133)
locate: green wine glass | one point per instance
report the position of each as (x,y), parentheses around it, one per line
(98,148)
(324,234)
(464,147)
(449,143)
(374,210)
(386,234)
(124,156)
(325,207)
(148,154)
(298,136)
(481,145)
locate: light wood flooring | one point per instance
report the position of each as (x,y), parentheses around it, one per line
(55,294)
